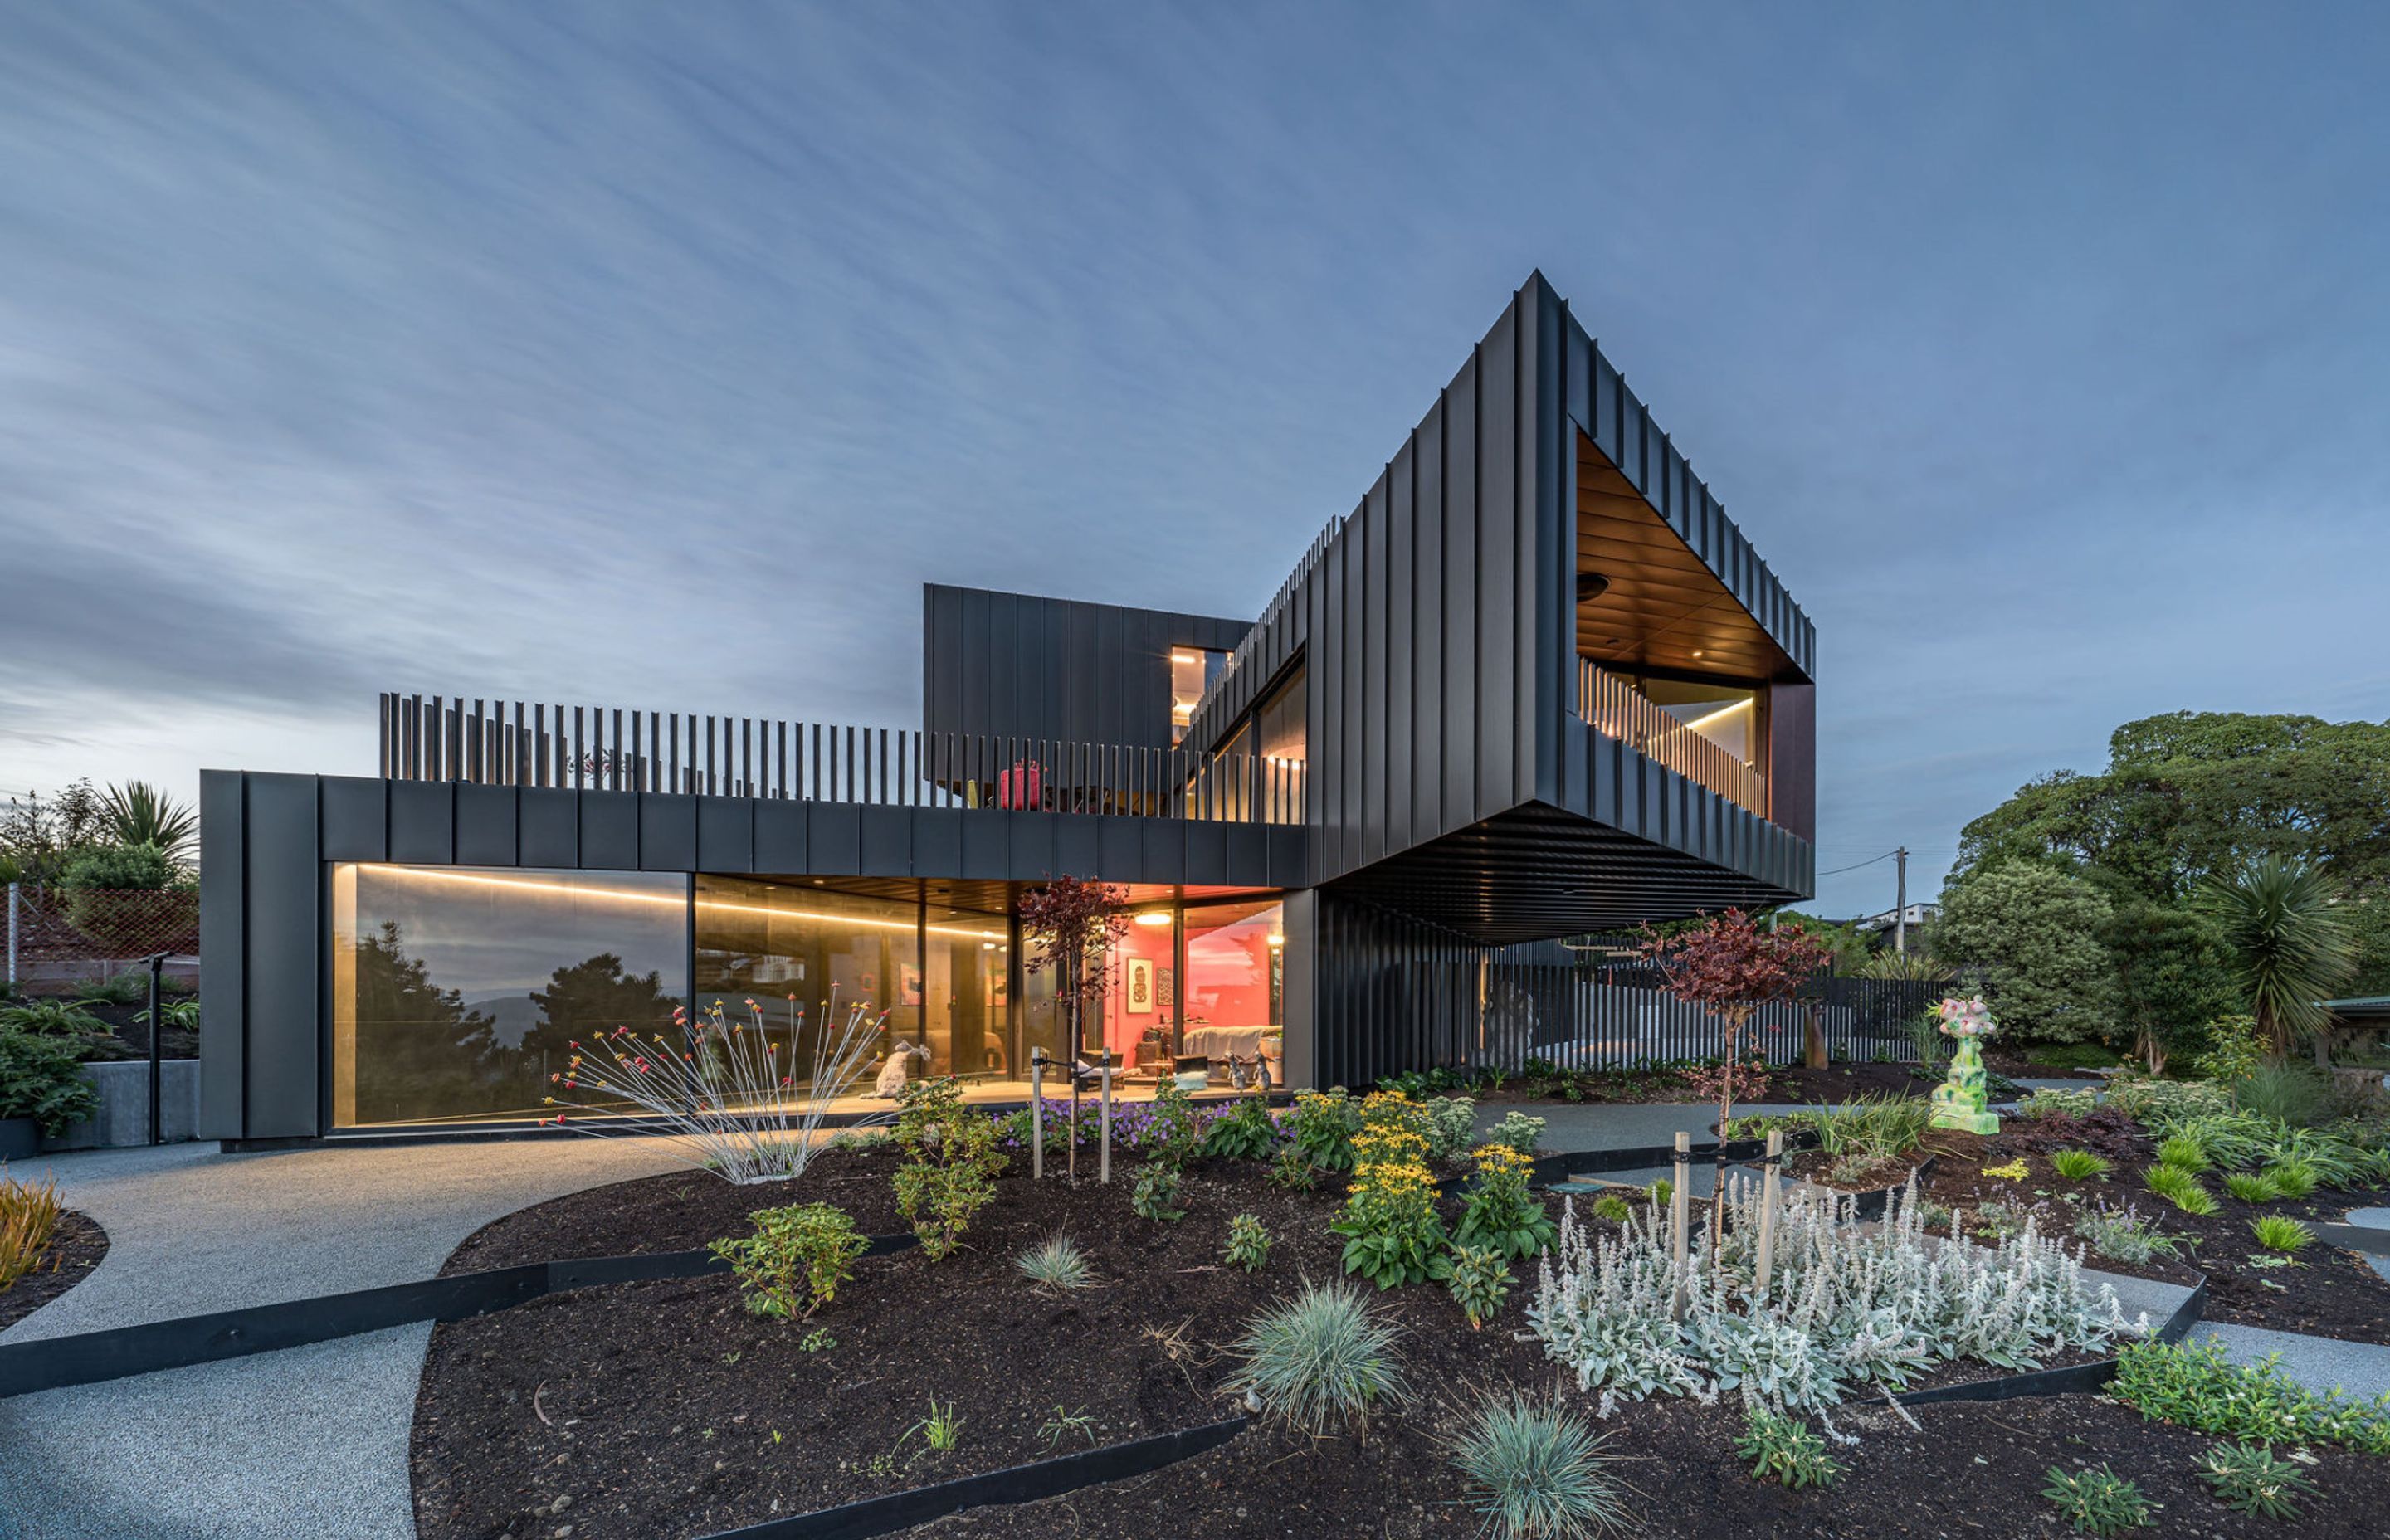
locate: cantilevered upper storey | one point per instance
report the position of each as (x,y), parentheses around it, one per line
(1545,684)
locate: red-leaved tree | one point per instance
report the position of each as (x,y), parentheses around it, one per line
(1072,926)
(1730,968)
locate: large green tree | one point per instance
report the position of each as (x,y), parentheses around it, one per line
(2174,976)
(2291,949)
(2032,933)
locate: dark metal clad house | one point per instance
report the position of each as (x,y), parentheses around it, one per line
(1534,683)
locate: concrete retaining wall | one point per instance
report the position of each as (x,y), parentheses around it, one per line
(124,1105)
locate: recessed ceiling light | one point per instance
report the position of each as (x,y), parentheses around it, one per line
(1154,917)
(1697,653)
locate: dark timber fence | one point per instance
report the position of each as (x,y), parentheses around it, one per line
(1616,1015)
(519,743)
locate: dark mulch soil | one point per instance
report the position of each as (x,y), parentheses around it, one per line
(653,1408)
(1973,1470)
(75,1249)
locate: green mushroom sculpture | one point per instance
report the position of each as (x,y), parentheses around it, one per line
(1958,1102)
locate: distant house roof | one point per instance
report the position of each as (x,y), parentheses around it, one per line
(2361,1005)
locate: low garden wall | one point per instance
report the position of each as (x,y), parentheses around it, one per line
(124,1117)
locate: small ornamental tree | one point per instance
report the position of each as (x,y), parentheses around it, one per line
(1730,968)
(1072,925)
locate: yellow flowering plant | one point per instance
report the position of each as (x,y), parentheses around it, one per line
(1392,1232)
(1503,1216)
(2015,1171)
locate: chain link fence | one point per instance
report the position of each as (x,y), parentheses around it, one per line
(59,937)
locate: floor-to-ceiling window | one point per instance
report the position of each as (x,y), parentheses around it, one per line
(1234,989)
(966,1000)
(810,955)
(456,992)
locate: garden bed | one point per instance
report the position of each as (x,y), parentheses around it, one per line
(76,1247)
(2323,1291)
(1834,1084)
(1974,1468)
(652,1408)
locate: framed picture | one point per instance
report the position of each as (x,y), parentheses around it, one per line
(1140,986)
(908,988)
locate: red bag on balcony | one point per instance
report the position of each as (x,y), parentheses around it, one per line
(1021,787)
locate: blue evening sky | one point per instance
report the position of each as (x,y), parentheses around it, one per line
(655,354)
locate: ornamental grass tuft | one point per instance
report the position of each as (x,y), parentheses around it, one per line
(2097,1501)
(1320,1361)
(2180,1188)
(1055,1262)
(2252,1186)
(29,1217)
(1538,1472)
(2079,1165)
(2277,1232)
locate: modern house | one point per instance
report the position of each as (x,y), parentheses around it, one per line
(1535,684)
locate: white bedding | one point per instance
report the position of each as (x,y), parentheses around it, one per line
(1218,1043)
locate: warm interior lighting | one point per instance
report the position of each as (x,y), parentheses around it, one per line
(1154,917)
(1698,722)
(674,901)
(1184,658)
(1277,940)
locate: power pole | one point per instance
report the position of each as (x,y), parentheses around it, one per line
(1900,903)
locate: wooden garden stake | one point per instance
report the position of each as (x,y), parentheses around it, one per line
(1678,1200)
(1767,1213)
(1036,1114)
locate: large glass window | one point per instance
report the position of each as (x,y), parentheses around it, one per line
(1727,715)
(809,954)
(966,998)
(1141,1008)
(455,993)
(1235,985)
(1193,670)
(1281,720)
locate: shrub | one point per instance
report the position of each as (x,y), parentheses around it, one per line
(1248,1243)
(2231,1139)
(1323,1125)
(1320,1361)
(1519,1131)
(2252,1186)
(2235,1049)
(1055,1262)
(1392,1232)
(1172,1133)
(2292,1178)
(2079,1165)
(1154,1194)
(1292,1170)
(1246,1132)
(950,1163)
(1873,1127)
(2124,1235)
(2166,1101)
(2097,1501)
(1999,1221)
(2048,1103)
(2199,1388)
(2280,1232)
(1845,1306)
(120,868)
(1480,1282)
(2183,1152)
(2286,1093)
(1611,1207)
(794,1262)
(41,1078)
(29,1217)
(1784,1449)
(2248,1477)
(1452,1122)
(2334,1161)
(1536,1473)
(2180,1188)
(130,987)
(86,1035)
(1501,1214)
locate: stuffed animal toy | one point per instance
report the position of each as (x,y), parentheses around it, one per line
(892,1073)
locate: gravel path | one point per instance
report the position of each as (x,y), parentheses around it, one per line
(310,1441)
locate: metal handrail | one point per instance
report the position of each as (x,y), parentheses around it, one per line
(535,744)
(1617,709)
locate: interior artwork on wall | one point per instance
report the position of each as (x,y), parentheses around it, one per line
(1140,986)
(908,986)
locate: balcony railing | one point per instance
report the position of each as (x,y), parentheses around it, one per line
(533,743)
(1617,709)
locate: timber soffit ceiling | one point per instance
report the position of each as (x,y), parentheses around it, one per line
(1662,608)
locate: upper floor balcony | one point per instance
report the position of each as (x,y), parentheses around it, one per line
(1711,736)
(603,748)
